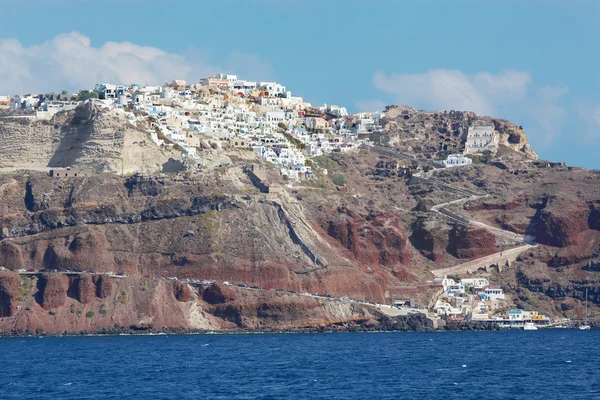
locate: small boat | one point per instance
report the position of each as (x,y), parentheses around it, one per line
(585,325)
(529,326)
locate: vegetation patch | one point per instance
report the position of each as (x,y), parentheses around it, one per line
(90,314)
(338,180)
(123,298)
(295,141)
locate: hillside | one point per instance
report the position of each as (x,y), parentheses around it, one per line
(366,229)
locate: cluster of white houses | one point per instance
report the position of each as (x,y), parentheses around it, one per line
(473,299)
(222,111)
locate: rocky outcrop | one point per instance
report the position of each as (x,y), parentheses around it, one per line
(218,294)
(104,286)
(52,290)
(444,132)
(430,238)
(9,292)
(182,292)
(85,289)
(374,239)
(86,137)
(470,242)
(574,289)
(561,225)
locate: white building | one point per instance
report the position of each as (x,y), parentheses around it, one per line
(492,294)
(273,88)
(274,117)
(455,160)
(481,138)
(477,283)
(106,91)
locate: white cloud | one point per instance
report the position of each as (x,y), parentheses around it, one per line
(69,61)
(590,115)
(548,115)
(552,93)
(596,117)
(443,89)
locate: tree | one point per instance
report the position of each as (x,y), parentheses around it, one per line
(64,92)
(338,180)
(86,95)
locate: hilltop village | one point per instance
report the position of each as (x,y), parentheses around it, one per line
(224,113)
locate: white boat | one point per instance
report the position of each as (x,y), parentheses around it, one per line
(529,326)
(585,325)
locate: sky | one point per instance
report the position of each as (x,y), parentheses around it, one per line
(534,62)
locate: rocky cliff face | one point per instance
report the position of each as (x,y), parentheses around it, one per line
(369,237)
(9,292)
(437,133)
(88,137)
(56,303)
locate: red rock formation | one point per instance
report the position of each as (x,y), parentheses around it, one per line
(85,289)
(430,238)
(103,286)
(374,239)
(11,255)
(182,292)
(218,294)
(470,242)
(9,291)
(560,225)
(52,290)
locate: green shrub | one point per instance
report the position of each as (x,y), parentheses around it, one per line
(103,309)
(123,298)
(90,314)
(338,180)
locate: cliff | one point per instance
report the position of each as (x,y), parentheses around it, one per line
(375,235)
(88,137)
(61,304)
(438,133)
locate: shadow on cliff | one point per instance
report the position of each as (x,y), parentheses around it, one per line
(172,166)
(73,137)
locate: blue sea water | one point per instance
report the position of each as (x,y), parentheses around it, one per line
(550,364)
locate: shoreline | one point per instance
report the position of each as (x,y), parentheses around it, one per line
(150,331)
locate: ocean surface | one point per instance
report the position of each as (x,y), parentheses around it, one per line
(545,364)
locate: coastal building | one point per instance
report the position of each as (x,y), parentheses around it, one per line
(477,283)
(491,294)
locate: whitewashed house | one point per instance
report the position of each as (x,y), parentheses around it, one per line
(455,160)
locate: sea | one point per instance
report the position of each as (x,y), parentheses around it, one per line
(544,364)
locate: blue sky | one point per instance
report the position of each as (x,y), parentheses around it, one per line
(534,62)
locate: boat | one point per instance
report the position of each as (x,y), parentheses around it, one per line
(585,325)
(529,326)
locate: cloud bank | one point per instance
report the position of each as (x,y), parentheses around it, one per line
(70,61)
(444,89)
